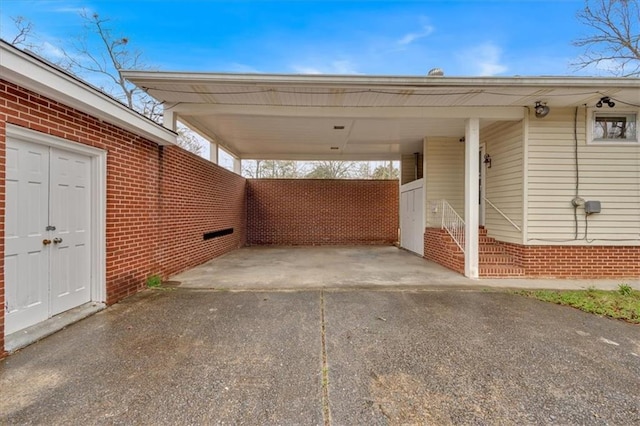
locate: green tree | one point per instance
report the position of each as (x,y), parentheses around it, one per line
(388,171)
(332,170)
(269,169)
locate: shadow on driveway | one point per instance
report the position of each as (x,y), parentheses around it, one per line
(328,357)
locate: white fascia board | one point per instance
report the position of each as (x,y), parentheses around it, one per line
(144,78)
(494,113)
(36,75)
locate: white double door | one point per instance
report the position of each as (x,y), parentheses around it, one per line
(47,233)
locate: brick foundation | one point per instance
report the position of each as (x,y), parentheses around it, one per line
(322,212)
(439,247)
(576,261)
(160,200)
(501,260)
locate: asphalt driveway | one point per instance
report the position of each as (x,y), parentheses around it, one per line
(328,357)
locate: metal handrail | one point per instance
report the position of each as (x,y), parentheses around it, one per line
(502,214)
(452,223)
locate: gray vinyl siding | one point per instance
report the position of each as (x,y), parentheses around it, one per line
(444,175)
(504,185)
(607,173)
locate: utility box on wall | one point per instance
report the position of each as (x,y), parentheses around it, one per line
(591,207)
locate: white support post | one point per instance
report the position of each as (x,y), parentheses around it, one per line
(170,120)
(471,193)
(213,152)
(237,165)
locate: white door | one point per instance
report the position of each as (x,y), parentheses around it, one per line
(411,217)
(47,250)
(26,257)
(69,213)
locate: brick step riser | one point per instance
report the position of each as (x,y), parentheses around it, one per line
(493,261)
(482,240)
(501,271)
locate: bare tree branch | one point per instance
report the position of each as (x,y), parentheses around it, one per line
(24,27)
(24,34)
(615,39)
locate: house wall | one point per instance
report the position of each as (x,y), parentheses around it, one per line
(197,197)
(444,175)
(408,168)
(504,181)
(159,200)
(562,261)
(608,173)
(322,212)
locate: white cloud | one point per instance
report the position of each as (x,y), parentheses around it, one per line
(243,68)
(303,69)
(411,37)
(70,9)
(340,66)
(483,60)
(51,52)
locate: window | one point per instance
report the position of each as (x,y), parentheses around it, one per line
(614,127)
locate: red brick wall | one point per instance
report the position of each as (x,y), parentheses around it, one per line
(576,261)
(322,212)
(159,200)
(544,261)
(439,247)
(197,197)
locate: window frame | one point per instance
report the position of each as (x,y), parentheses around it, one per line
(629,113)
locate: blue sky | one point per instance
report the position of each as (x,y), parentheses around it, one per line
(465,38)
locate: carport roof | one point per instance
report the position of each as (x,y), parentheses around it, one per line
(306,117)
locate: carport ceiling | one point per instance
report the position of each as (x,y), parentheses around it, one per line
(308,117)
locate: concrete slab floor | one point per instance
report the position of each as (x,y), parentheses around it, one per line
(185,356)
(330,267)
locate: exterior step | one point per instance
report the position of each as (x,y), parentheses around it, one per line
(483,239)
(494,261)
(496,258)
(500,271)
(490,248)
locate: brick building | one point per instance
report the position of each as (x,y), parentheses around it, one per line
(500,177)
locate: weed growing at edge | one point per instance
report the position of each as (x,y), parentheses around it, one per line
(625,289)
(154,281)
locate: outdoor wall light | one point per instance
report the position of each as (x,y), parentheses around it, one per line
(487,160)
(541,109)
(605,100)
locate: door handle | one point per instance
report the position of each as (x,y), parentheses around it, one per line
(57,240)
(46,242)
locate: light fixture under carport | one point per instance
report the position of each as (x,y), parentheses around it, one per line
(541,109)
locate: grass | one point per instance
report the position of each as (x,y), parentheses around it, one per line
(154,281)
(622,304)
